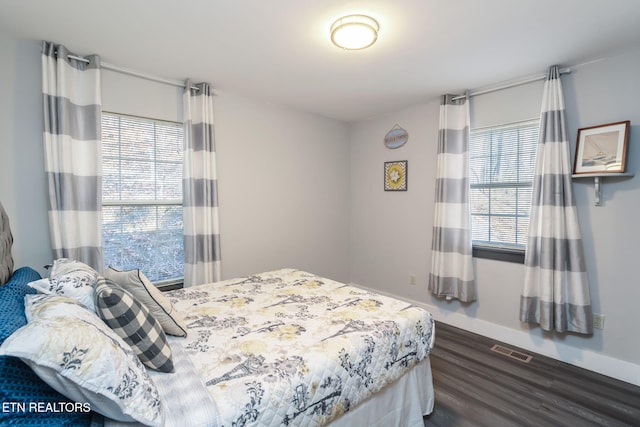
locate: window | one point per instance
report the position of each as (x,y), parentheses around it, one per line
(142,196)
(501,170)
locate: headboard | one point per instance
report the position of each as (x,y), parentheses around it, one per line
(6,240)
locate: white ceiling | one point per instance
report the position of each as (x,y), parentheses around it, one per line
(279,51)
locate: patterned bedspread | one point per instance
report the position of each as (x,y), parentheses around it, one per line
(291,348)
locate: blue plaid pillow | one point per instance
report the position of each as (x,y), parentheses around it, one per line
(20,387)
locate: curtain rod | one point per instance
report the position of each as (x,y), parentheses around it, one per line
(133,73)
(510,85)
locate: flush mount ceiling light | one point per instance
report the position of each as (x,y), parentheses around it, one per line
(354,32)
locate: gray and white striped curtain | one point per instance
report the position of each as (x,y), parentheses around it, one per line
(556,287)
(72,147)
(200,211)
(452,273)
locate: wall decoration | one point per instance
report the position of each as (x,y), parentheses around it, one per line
(602,149)
(395,176)
(396,137)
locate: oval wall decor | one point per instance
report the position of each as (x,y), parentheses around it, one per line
(396,137)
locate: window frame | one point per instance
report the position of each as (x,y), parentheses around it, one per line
(167,284)
(500,251)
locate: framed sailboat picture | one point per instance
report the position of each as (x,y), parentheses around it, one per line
(602,149)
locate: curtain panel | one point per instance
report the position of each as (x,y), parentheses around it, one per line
(452,274)
(200,206)
(556,288)
(73,152)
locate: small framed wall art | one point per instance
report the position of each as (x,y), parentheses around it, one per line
(396,137)
(602,149)
(395,176)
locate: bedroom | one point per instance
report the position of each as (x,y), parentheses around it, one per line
(313,183)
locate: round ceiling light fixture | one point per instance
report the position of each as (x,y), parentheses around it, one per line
(354,32)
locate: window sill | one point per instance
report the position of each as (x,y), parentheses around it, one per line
(170,287)
(499,254)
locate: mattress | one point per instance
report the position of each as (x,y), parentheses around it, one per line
(288,347)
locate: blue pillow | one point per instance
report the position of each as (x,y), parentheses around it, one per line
(25,399)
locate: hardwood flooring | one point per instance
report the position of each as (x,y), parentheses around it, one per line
(478,387)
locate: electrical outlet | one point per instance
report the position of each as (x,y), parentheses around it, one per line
(598,321)
(412,280)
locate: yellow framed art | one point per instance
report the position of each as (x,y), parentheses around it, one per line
(395,175)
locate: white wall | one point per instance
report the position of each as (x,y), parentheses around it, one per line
(282,174)
(605,92)
(284,189)
(391,232)
(125,94)
(22,178)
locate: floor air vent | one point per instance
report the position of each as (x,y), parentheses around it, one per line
(512,353)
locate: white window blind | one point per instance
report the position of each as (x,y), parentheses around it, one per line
(501,170)
(142,195)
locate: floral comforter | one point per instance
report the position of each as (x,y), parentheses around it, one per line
(291,348)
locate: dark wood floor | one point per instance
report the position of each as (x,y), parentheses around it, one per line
(478,387)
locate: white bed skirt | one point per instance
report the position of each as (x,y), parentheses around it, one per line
(401,404)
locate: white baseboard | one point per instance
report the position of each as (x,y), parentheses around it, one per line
(600,363)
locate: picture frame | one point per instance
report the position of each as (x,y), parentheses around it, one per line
(602,149)
(395,175)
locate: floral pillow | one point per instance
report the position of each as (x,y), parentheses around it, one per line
(74,352)
(63,266)
(72,279)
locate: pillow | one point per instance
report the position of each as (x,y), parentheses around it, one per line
(64,266)
(72,279)
(132,322)
(74,352)
(159,305)
(19,383)
(6,240)
(42,306)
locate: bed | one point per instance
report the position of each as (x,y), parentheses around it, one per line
(285,347)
